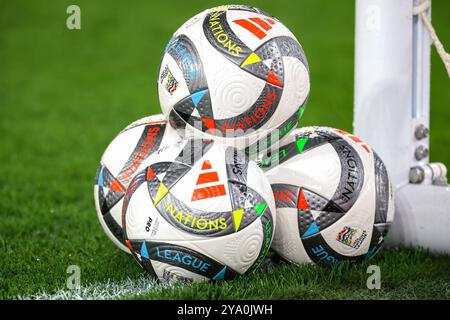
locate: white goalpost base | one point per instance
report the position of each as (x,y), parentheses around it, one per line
(392,114)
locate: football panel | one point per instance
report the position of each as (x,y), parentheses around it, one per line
(179,255)
(267,141)
(128,152)
(238,250)
(120,149)
(170,274)
(172,86)
(350,235)
(143,221)
(319,169)
(193,27)
(354,169)
(286,241)
(233,90)
(295,91)
(153,119)
(382,191)
(113,237)
(391,207)
(205,187)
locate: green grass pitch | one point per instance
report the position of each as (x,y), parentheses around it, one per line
(65,94)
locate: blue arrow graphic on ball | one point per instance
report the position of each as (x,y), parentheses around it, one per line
(144,252)
(313,229)
(221,274)
(196,97)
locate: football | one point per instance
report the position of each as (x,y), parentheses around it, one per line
(333,197)
(236,74)
(120,162)
(200,210)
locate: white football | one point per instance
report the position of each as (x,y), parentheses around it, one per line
(236,74)
(199,211)
(333,196)
(120,162)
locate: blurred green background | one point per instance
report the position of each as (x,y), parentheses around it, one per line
(64,94)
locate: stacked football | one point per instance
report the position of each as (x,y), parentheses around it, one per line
(200,191)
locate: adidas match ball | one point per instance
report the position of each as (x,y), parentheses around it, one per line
(333,196)
(199,211)
(235,74)
(123,158)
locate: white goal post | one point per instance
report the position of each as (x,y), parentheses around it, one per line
(392,114)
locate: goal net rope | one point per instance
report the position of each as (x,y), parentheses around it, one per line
(421,11)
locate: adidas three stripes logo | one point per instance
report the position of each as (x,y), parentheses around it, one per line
(257,26)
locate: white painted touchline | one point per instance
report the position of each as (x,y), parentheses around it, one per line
(103,291)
